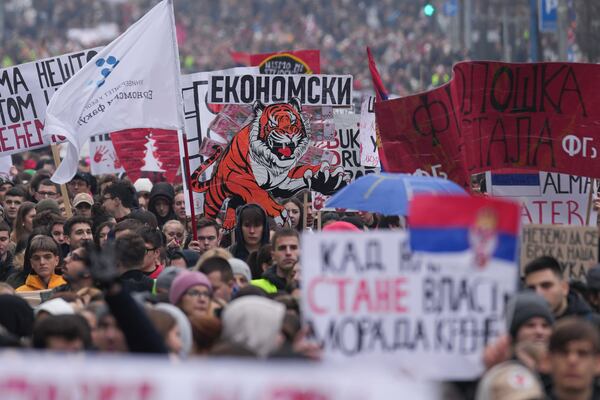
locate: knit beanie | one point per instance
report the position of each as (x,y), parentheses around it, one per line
(240,267)
(47,205)
(185,280)
(524,306)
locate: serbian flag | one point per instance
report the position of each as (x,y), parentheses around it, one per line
(486,227)
(132,83)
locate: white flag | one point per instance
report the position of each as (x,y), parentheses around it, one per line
(132,83)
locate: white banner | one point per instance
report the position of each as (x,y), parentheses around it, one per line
(369,156)
(547,198)
(103,158)
(345,150)
(25,91)
(30,376)
(368,298)
(312,90)
(198,116)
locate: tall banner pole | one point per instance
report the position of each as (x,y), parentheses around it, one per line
(188,183)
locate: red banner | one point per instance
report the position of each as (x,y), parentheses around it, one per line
(541,116)
(283,62)
(148,152)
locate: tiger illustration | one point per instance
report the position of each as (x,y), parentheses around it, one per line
(260,163)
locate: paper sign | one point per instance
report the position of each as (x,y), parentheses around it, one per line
(367,297)
(575,247)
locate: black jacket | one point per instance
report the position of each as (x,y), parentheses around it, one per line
(271,275)
(6,267)
(135,280)
(238,250)
(576,306)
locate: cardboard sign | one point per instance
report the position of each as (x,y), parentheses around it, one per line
(31,375)
(546,197)
(575,247)
(25,91)
(313,90)
(103,158)
(367,297)
(491,115)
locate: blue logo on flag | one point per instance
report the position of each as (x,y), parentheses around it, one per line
(106,67)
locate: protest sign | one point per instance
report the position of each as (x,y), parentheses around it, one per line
(369,154)
(44,377)
(367,297)
(103,158)
(198,115)
(25,91)
(497,115)
(313,90)
(546,197)
(345,151)
(283,62)
(575,247)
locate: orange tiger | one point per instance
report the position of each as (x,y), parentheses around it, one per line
(260,163)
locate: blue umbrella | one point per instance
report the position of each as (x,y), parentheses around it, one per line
(389,193)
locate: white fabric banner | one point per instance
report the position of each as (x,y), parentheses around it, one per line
(369,156)
(25,376)
(367,297)
(132,83)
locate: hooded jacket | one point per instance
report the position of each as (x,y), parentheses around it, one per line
(166,191)
(239,250)
(6,267)
(34,282)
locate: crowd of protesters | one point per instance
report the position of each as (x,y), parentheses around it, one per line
(413,50)
(124,274)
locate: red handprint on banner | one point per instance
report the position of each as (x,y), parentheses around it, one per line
(101,151)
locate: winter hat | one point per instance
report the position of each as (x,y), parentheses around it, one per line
(341,226)
(253,322)
(240,267)
(143,185)
(509,381)
(56,306)
(16,315)
(166,277)
(47,205)
(524,306)
(593,278)
(185,280)
(185,328)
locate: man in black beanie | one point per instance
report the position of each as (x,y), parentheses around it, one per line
(529,318)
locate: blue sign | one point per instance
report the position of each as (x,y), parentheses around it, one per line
(548,15)
(451,8)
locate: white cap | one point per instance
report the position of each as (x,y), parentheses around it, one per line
(56,306)
(143,185)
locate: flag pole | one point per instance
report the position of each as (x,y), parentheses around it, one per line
(63,187)
(182,124)
(305,211)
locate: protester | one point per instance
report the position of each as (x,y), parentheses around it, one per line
(573,360)
(130,251)
(81,183)
(285,252)
(192,293)
(6,258)
(175,234)
(179,204)
(118,200)
(160,202)
(64,333)
(544,275)
(41,260)
(251,231)
(82,204)
(23,224)
(295,213)
(153,243)
(143,187)
(208,235)
(77,231)
(13,199)
(46,189)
